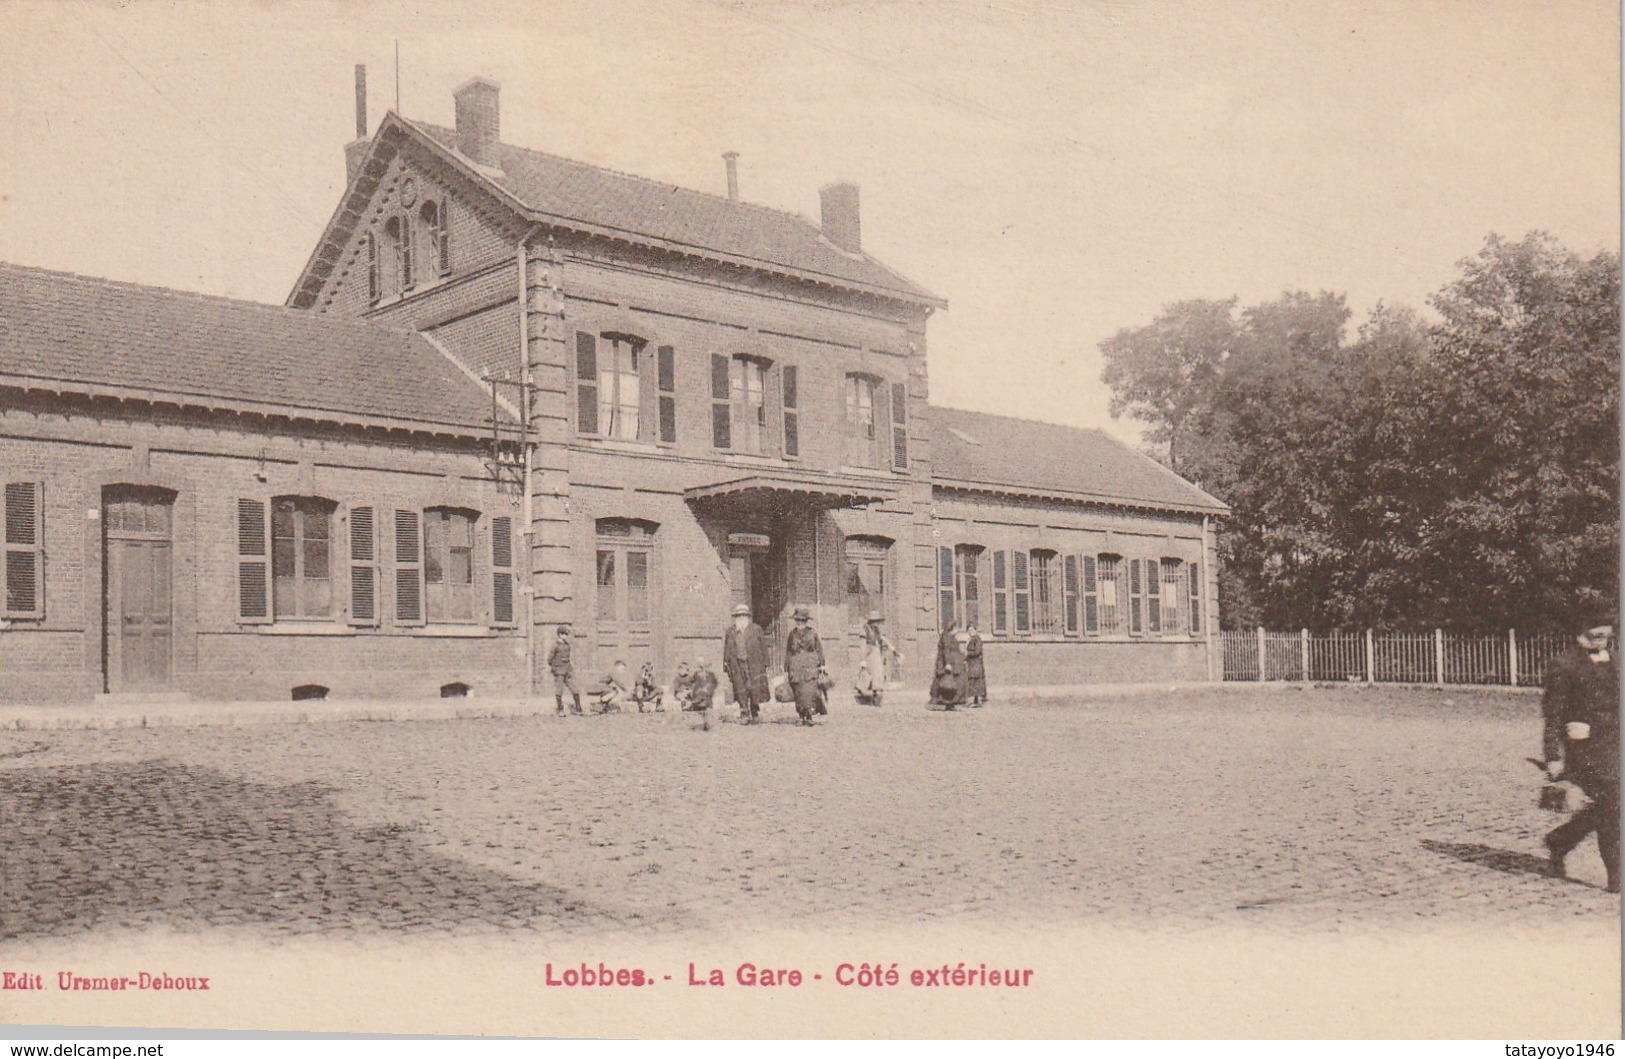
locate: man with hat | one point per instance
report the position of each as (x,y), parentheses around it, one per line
(1581,744)
(871,680)
(564,676)
(744,659)
(804,659)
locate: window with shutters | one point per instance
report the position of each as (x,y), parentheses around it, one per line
(1045,574)
(363,566)
(301,557)
(1173,589)
(899,426)
(1113,609)
(432,220)
(502,565)
(968,584)
(862,433)
(1019,589)
(23,572)
(748,393)
(1195,595)
(1001,594)
(666,380)
(448,564)
(789,384)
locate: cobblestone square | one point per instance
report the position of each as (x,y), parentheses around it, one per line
(1288,810)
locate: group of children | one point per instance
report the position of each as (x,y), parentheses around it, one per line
(693,690)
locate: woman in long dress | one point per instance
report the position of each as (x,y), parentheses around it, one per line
(948,682)
(871,681)
(804,659)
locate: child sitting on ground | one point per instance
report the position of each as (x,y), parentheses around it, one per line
(616,689)
(646,691)
(700,691)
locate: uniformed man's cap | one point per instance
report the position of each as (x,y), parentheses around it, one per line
(741,611)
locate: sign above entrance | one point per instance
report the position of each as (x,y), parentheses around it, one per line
(749,540)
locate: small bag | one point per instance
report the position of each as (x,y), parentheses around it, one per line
(780,686)
(825,681)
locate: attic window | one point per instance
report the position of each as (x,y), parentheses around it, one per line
(962,436)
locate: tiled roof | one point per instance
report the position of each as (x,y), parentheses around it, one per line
(1003,454)
(79,333)
(603,198)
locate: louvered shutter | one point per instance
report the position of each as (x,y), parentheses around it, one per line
(1136,598)
(666,371)
(899,426)
(1071,590)
(408,568)
(1018,584)
(1091,596)
(721,406)
(253,562)
(442,238)
(502,602)
(586,383)
(1195,583)
(374,287)
(792,410)
(1153,597)
(23,542)
(1001,595)
(363,566)
(406,249)
(945,587)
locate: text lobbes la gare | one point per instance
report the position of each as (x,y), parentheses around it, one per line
(865,975)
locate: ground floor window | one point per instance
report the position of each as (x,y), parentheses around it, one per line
(302,557)
(448,564)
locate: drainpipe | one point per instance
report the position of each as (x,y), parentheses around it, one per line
(525,371)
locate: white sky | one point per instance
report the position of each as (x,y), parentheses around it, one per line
(1057,171)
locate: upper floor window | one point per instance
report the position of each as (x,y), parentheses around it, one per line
(618,390)
(432,220)
(862,432)
(609,388)
(302,557)
(739,403)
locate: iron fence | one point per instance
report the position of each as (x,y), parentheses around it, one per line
(1438,657)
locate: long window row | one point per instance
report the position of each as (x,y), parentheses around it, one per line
(1040,593)
(304,558)
(757,406)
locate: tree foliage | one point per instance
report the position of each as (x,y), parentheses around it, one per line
(1461,473)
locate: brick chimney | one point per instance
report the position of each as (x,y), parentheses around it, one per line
(478,128)
(356,150)
(840,215)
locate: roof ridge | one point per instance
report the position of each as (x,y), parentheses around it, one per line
(284,311)
(793,215)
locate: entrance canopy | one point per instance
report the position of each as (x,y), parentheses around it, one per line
(774,494)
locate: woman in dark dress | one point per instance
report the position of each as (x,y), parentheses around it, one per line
(948,682)
(804,658)
(975,669)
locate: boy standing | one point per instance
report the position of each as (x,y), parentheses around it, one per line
(558,660)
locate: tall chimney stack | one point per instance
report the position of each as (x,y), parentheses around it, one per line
(839,204)
(356,150)
(478,124)
(731,159)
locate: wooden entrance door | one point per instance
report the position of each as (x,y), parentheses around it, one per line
(627,602)
(139,617)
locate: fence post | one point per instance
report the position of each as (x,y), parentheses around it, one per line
(1438,655)
(1261,653)
(1512,653)
(1305,654)
(1370,658)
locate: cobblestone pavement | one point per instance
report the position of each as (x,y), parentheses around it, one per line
(1306,810)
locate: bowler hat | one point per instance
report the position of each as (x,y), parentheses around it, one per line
(874,615)
(741,611)
(802,614)
(564,630)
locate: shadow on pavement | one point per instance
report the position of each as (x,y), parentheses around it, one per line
(1506,860)
(152,843)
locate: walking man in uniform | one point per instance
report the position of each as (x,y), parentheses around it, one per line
(1581,744)
(744,659)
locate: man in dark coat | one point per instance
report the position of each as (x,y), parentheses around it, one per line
(1581,744)
(948,681)
(804,658)
(744,659)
